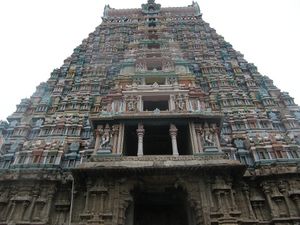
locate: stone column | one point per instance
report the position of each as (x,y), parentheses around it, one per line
(115,131)
(48,205)
(97,141)
(140,107)
(216,131)
(6,213)
(25,205)
(173,133)
(267,190)
(172,103)
(35,195)
(94,201)
(254,153)
(245,190)
(198,136)
(87,196)
(186,102)
(12,211)
(140,132)
(296,199)
(58,157)
(283,190)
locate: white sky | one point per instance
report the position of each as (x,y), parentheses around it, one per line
(36,36)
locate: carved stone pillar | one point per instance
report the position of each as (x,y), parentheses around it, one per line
(58,157)
(258,209)
(186,97)
(267,191)
(50,196)
(173,133)
(97,140)
(245,190)
(12,211)
(87,196)
(140,132)
(140,104)
(25,205)
(225,200)
(296,199)
(5,204)
(283,190)
(32,204)
(172,103)
(115,132)
(216,131)
(94,202)
(198,130)
(254,153)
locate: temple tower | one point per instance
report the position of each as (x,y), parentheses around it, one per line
(156,120)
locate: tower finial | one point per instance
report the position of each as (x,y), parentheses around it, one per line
(105,12)
(197,8)
(151,7)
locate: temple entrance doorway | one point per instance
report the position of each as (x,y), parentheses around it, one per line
(168,207)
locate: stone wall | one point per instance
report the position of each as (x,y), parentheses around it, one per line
(218,195)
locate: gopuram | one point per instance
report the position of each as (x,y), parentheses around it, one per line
(153,120)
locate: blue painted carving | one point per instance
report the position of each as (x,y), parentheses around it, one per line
(151,7)
(273,116)
(239,143)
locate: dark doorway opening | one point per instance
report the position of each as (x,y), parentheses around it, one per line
(130,140)
(151,103)
(183,140)
(157,140)
(152,80)
(168,207)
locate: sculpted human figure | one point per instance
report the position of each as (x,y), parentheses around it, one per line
(180,103)
(132,104)
(106,136)
(208,137)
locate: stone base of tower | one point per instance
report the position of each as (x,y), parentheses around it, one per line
(161,193)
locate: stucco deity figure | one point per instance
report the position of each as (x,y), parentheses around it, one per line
(180,103)
(105,137)
(167,66)
(132,104)
(172,80)
(208,138)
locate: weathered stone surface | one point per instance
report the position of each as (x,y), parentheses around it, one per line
(154,119)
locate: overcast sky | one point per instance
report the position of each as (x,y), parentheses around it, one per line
(36,36)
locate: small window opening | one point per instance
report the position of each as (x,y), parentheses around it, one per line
(152,55)
(152,80)
(153,105)
(154,66)
(153,46)
(152,24)
(152,35)
(151,8)
(157,102)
